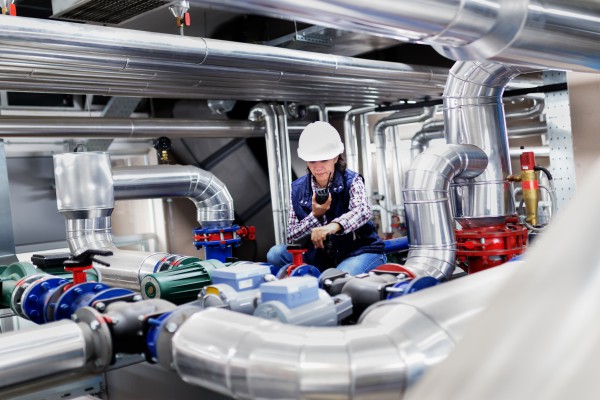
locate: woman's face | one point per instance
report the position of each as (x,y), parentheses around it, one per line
(322,169)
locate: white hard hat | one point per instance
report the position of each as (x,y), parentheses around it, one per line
(319,141)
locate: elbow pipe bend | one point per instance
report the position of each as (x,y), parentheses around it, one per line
(427,205)
(212,199)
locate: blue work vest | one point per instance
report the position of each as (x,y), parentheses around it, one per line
(339,246)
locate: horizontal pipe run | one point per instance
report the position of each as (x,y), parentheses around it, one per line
(549,33)
(212,199)
(127,128)
(393,344)
(174,66)
(42,351)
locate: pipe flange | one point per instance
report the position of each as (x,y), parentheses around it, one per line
(52,301)
(97,338)
(17,294)
(168,328)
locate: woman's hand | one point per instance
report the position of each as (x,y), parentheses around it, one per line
(319,235)
(319,210)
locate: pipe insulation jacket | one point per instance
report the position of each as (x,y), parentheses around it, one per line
(544,33)
(427,205)
(387,352)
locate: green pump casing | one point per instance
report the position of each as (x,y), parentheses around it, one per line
(10,275)
(181,283)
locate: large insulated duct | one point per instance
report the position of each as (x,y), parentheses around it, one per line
(549,33)
(278,157)
(387,352)
(85,191)
(379,135)
(427,205)
(54,56)
(474,114)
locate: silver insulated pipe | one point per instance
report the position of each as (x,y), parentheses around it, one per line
(551,33)
(379,135)
(54,56)
(387,352)
(431,227)
(278,155)
(85,197)
(86,189)
(212,199)
(474,114)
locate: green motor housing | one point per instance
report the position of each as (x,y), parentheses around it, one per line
(182,282)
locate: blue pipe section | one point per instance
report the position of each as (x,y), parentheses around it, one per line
(396,244)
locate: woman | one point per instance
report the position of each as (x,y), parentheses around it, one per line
(341,233)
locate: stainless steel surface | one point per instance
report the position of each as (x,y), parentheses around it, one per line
(279,176)
(379,135)
(365,149)
(350,136)
(212,199)
(427,206)
(549,33)
(41,351)
(7,241)
(321,111)
(84,182)
(128,268)
(86,196)
(386,353)
(515,129)
(474,114)
(76,58)
(538,339)
(420,140)
(286,162)
(126,128)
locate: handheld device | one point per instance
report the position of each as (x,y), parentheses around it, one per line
(322,194)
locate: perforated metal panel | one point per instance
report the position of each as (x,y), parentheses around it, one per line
(560,139)
(111,12)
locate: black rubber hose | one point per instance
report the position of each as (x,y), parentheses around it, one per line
(548,174)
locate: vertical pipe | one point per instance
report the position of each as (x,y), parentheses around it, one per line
(380,128)
(427,205)
(350,135)
(286,166)
(365,150)
(474,114)
(7,242)
(267,113)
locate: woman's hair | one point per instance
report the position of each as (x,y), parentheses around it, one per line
(340,165)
